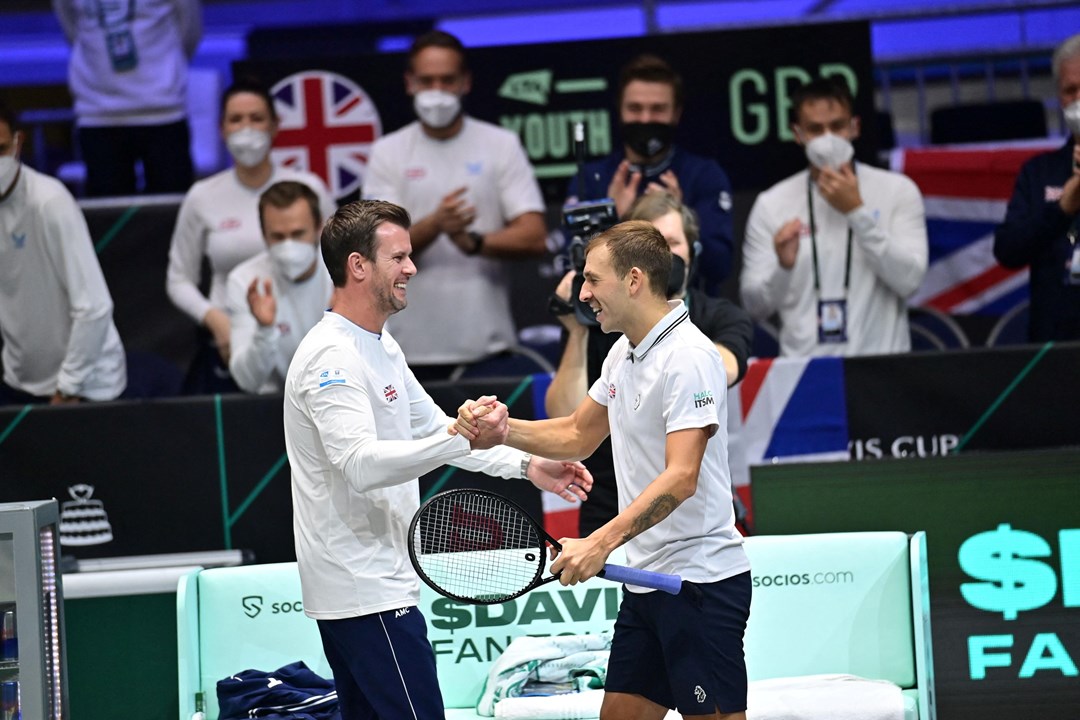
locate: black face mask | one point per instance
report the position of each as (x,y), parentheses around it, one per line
(648,139)
(678,276)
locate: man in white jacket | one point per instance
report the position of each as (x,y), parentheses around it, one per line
(60,343)
(128,74)
(275,297)
(837,248)
(359,431)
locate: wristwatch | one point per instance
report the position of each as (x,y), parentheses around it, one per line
(525,460)
(478,243)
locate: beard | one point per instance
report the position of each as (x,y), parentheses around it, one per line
(387,302)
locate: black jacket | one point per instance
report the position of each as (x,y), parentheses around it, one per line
(1034,233)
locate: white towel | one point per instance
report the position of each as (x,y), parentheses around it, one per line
(572,706)
(821,697)
(579,661)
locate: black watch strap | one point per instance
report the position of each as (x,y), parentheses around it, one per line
(478,242)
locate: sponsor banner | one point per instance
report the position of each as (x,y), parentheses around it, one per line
(468,638)
(933,404)
(735,109)
(194,474)
(1003,545)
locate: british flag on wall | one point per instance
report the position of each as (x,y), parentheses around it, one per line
(327,126)
(966,190)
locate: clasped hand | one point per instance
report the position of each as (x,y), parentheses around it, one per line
(484,422)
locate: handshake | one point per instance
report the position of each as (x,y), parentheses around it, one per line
(484,422)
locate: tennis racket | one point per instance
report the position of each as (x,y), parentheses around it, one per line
(480,548)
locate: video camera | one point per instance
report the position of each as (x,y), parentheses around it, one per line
(584,221)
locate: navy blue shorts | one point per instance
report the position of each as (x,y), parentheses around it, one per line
(384,667)
(696,638)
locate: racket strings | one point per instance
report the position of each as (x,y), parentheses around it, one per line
(478,547)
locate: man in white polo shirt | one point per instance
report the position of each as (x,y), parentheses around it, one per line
(477,204)
(661,395)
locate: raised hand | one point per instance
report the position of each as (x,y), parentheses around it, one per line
(623,188)
(669,184)
(1070,193)
(840,188)
(263,305)
(571,481)
(454,213)
(786,242)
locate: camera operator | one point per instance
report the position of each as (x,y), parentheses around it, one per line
(586,345)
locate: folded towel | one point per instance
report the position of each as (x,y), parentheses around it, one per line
(573,706)
(821,697)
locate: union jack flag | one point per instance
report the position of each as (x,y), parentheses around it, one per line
(390,393)
(327,126)
(966,191)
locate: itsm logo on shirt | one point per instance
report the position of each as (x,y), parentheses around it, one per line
(701,399)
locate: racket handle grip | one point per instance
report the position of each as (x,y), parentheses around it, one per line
(643,578)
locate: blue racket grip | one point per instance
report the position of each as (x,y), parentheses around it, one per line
(643,578)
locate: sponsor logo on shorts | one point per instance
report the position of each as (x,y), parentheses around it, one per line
(699,693)
(401,612)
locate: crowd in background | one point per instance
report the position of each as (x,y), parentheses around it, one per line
(830,254)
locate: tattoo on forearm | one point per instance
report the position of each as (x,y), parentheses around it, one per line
(659,509)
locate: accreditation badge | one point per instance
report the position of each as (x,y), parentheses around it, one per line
(832,321)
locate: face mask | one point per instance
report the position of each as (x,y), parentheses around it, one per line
(829,151)
(1072,117)
(9,168)
(248,146)
(648,139)
(436,108)
(292,258)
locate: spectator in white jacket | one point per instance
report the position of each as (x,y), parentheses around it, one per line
(835,249)
(60,343)
(277,296)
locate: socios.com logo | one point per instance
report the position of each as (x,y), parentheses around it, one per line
(253,605)
(829,577)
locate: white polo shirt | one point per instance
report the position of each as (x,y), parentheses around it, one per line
(672,381)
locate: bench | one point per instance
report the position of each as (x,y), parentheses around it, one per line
(848,603)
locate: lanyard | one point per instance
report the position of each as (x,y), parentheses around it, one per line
(813,245)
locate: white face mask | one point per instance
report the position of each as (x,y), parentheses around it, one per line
(9,168)
(1072,117)
(292,258)
(436,108)
(248,146)
(829,151)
